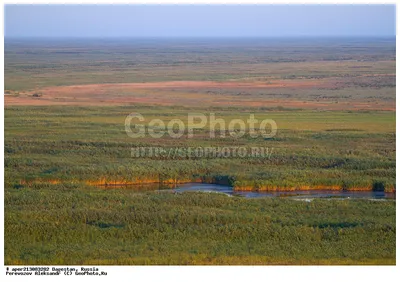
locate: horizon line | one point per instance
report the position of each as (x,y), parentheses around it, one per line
(200,37)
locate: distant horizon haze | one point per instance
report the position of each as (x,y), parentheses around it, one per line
(199,21)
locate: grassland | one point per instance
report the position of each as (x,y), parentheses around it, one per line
(332,150)
(59,224)
(30,63)
(66,103)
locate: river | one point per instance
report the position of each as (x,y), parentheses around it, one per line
(298,195)
(308,194)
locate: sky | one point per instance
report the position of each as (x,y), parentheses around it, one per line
(199,21)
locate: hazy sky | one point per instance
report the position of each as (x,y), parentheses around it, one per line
(198,21)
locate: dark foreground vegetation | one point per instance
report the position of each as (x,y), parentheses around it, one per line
(59,224)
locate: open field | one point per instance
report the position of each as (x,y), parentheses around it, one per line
(313,74)
(317,94)
(30,64)
(65,108)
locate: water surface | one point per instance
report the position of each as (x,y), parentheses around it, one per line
(292,194)
(228,190)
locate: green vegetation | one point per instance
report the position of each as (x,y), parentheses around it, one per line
(346,150)
(67,224)
(72,223)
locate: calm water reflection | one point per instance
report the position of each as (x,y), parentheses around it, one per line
(293,194)
(200,187)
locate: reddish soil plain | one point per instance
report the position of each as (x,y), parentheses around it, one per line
(209,93)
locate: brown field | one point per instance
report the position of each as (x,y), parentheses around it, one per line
(205,93)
